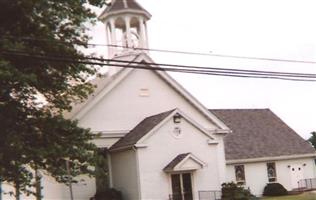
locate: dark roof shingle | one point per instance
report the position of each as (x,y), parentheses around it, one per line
(258,133)
(118,5)
(175,161)
(140,130)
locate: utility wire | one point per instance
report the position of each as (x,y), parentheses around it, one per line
(168,51)
(146,67)
(190,67)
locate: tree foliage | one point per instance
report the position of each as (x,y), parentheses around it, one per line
(312,139)
(233,191)
(35,135)
(274,189)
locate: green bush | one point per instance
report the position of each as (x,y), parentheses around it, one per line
(274,189)
(232,191)
(109,194)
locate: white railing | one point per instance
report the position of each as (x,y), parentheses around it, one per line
(307,184)
(210,195)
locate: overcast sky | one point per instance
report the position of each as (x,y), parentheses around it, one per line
(282,29)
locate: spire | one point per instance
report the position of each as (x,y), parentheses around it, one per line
(123,6)
(126,29)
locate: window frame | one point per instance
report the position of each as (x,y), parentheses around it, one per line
(271,179)
(181,184)
(240,180)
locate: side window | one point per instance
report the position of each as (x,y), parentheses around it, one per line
(271,170)
(240,174)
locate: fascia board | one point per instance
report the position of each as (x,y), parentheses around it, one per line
(190,156)
(193,101)
(103,93)
(264,159)
(196,125)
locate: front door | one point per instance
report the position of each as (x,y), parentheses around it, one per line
(181,186)
(296,175)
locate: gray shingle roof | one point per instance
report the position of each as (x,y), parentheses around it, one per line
(175,161)
(259,133)
(120,5)
(140,130)
(130,4)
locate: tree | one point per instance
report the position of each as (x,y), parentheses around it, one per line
(312,139)
(36,90)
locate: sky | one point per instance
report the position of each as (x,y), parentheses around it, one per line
(283,29)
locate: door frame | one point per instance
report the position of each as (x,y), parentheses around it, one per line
(293,174)
(181,181)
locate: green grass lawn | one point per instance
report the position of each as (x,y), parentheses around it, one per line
(305,196)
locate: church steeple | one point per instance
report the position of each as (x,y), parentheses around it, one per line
(125,22)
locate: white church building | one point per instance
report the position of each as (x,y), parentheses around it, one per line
(162,143)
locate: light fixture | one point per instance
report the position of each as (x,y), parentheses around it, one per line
(289,166)
(177,118)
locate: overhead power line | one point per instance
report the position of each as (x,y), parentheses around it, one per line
(171,51)
(307,75)
(167,67)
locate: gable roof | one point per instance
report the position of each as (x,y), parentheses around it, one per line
(144,129)
(175,161)
(140,130)
(101,84)
(258,133)
(175,164)
(80,109)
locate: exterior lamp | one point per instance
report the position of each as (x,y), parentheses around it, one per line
(177,118)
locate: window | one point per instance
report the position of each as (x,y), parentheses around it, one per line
(240,174)
(181,186)
(271,170)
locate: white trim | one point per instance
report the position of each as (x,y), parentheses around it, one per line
(167,78)
(111,134)
(141,145)
(193,157)
(104,16)
(178,169)
(151,132)
(110,169)
(138,174)
(181,182)
(210,142)
(112,81)
(194,102)
(105,91)
(191,99)
(194,123)
(119,149)
(264,159)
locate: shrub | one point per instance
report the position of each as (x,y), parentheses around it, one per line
(232,191)
(274,189)
(109,194)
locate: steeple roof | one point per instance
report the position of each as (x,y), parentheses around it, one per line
(121,6)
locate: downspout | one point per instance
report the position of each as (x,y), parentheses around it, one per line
(108,156)
(138,173)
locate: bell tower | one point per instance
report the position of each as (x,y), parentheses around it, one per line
(126,29)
